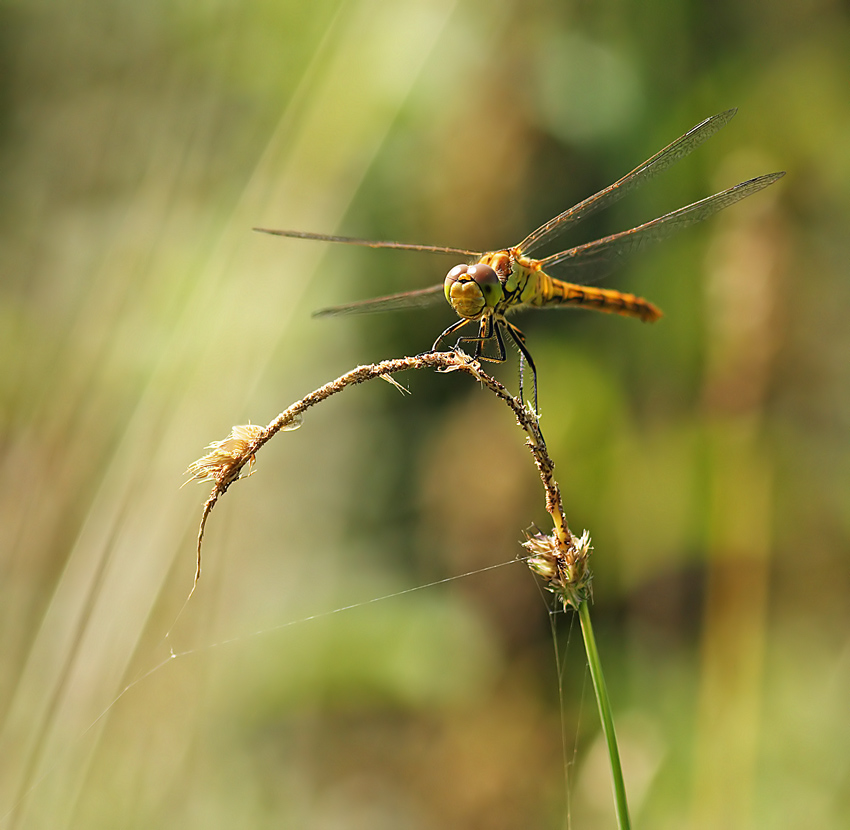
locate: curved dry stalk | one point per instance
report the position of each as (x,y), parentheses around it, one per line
(560,558)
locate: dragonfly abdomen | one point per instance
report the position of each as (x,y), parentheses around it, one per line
(552,291)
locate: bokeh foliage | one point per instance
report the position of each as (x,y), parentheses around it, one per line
(708,455)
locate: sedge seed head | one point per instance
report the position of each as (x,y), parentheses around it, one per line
(226,456)
(562,566)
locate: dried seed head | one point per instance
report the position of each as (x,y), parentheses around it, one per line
(563,566)
(226,456)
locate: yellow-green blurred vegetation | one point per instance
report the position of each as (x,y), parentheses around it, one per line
(708,455)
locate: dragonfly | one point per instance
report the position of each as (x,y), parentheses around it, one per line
(493,284)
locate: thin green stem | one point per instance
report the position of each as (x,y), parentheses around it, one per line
(606,717)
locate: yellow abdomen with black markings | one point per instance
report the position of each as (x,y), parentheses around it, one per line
(542,290)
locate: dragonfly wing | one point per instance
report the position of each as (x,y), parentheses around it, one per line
(663,159)
(611,248)
(420,298)
(369,243)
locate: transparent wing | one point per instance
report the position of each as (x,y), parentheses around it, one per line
(611,248)
(420,298)
(640,175)
(369,243)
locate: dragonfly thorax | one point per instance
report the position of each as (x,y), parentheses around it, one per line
(472,290)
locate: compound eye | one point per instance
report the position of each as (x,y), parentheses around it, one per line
(488,282)
(472,289)
(455,274)
(487,279)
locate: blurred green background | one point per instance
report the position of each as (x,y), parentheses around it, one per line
(708,454)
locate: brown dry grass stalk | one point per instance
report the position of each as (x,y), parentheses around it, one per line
(560,558)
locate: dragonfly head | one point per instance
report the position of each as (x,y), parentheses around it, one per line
(472,289)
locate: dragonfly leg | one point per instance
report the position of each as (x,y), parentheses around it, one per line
(519,338)
(485,333)
(452,328)
(500,342)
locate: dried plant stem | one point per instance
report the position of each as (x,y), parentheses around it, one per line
(226,463)
(560,558)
